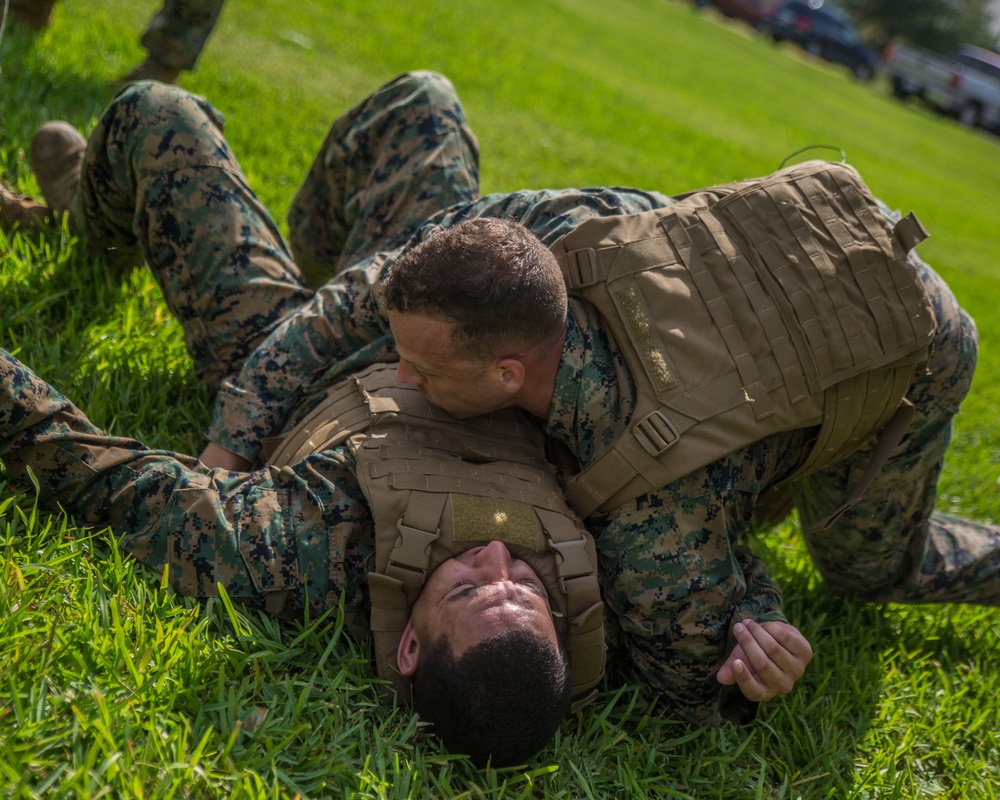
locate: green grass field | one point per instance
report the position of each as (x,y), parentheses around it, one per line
(110,686)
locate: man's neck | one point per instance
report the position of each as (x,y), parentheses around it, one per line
(540,377)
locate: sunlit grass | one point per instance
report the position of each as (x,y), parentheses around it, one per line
(114,687)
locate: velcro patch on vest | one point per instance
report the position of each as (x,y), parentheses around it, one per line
(492,519)
(644,336)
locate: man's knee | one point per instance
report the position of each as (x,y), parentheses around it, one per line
(433,84)
(146,116)
(429,93)
(155,105)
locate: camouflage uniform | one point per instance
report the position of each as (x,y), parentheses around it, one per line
(177,32)
(673,571)
(304,529)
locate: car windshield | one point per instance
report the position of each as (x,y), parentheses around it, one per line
(974,63)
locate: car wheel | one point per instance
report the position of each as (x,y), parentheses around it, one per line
(899,90)
(968,115)
(814,48)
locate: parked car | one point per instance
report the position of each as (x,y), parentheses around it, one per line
(965,84)
(755,12)
(825,31)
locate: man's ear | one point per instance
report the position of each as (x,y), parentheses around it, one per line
(512,374)
(408,652)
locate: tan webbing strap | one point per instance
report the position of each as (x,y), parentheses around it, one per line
(863,263)
(691,242)
(377,377)
(341,414)
(585,611)
(824,255)
(462,477)
(390,613)
(888,439)
(910,232)
(634,454)
(627,458)
(773,325)
(418,529)
(875,295)
(587,653)
(580,268)
(475,452)
(860,202)
(836,314)
(780,265)
(586,491)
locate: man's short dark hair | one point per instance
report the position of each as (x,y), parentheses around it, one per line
(501,702)
(493,278)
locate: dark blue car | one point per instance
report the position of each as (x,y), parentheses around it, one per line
(825,31)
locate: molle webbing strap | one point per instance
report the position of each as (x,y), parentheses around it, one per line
(584,620)
(910,232)
(698,238)
(390,612)
(342,413)
(631,458)
(418,528)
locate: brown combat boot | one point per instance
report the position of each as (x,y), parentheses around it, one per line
(33,13)
(20,211)
(57,156)
(152,70)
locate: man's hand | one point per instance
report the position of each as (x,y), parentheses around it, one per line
(214,456)
(767,660)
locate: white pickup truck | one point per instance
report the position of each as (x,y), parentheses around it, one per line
(965,84)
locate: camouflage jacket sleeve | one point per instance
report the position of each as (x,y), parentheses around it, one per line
(344,327)
(274,539)
(675,574)
(675,584)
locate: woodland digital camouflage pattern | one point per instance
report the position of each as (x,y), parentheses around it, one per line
(177,33)
(305,530)
(674,573)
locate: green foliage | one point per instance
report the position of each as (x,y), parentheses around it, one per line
(939,25)
(113,687)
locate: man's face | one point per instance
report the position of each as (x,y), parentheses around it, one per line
(481,592)
(429,360)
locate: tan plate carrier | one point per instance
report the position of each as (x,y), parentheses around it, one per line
(438,486)
(748,309)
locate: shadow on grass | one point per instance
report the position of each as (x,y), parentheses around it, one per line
(35,90)
(875,666)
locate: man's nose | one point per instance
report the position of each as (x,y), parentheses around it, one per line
(406,374)
(494,560)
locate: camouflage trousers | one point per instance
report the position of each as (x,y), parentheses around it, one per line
(892,546)
(160,184)
(177,33)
